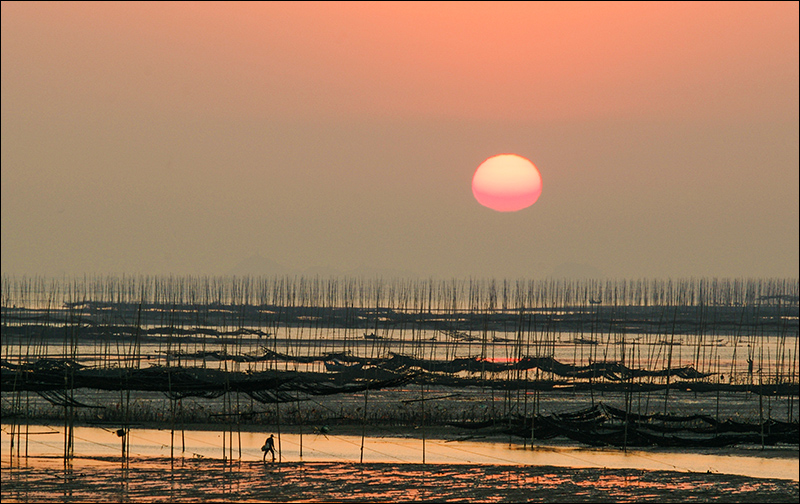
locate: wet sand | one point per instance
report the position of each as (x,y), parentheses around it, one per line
(456,468)
(159,479)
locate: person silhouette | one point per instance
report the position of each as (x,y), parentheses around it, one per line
(269,447)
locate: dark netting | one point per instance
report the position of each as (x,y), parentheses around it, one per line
(603,425)
(609,370)
(60,398)
(183,381)
(48,379)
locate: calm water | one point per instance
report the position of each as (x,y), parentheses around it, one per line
(48,441)
(329,470)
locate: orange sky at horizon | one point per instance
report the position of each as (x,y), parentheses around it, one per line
(511,61)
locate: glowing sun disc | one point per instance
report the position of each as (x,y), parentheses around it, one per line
(507,183)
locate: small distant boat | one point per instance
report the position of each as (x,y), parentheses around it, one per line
(584,341)
(373,336)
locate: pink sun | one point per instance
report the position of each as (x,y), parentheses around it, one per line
(507,183)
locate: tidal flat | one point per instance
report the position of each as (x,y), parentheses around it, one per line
(151,389)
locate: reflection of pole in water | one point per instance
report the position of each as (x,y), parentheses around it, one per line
(121,433)
(422,405)
(364,421)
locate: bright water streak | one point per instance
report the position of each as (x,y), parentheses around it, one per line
(98,442)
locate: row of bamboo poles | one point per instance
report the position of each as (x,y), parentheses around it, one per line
(366,291)
(529,328)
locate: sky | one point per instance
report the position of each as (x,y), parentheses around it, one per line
(341,138)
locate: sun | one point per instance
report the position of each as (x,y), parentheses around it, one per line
(507,183)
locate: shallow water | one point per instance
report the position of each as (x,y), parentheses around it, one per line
(94,442)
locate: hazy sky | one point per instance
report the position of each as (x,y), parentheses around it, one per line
(211,138)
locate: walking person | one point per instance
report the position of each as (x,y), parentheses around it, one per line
(269,447)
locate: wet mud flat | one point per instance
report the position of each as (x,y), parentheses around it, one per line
(646,364)
(162,480)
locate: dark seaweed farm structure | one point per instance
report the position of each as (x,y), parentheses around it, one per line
(681,363)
